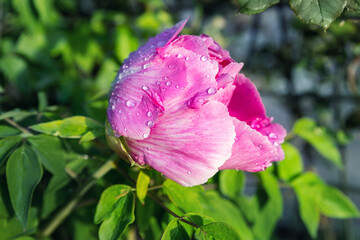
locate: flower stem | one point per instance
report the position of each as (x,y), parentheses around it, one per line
(14,124)
(68,208)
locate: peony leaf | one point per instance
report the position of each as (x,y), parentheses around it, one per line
(216,230)
(175,230)
(7,131)
(255,6)
(292,165)
(320,12)
(142,184)
(23,173)
(7,145)
(231,183)
(318,137)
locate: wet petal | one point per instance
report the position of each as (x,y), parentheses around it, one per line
(216,51)
(246,103)
(251,151)
(189,145)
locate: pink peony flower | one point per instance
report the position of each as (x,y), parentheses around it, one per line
(183,108)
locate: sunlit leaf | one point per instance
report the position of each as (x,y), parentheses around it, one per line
(231,183)
(292,165)
(23,173)
(318,137)
(142,184)
(216,230)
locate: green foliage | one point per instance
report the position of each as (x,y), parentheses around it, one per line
(115,210)
(292,165)
(7,145)
(257,6)
(231,183)
(6,131)
(217,231)
(318,137)
(23,172)
(175,230)
(142,184)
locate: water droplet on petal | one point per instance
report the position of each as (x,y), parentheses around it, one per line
(145,66)
(166,78)
(146,135)
(120,111)
(180,56)
(113,107)
(150,123)
(149,114)
(203,58)
(125,129)
(260,145)
(177,86)
(271,151)
(272,135)
(137,114)
(207,75)
(188,172)
(211,91)
(168,83)
(158,83)
(145,88)
(171,66)
(130,103)
(276,144)
(187,59)
(200,100)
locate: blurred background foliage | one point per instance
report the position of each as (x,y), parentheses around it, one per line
(58,59)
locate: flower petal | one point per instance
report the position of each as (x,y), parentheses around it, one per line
(216,51)
(246,104)
(251,151)
(189,145)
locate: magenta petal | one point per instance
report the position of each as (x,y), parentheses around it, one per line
(216,51)
(189,145)
(246,103)
(251,151)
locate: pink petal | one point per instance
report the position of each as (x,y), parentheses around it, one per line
(216,51)
(251,151)
(136,98)
(188,145)
(246,103)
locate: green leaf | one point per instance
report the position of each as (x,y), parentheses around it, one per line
(320,12)
(353,5)
(72,127)
(216,231)
(126,42)
(50,153)
(292,165)
(231,183)
(114,224)
(333,203)
(210,203)
(142,184)
(175,231)
(7,145)
(198,219)
(318,137)
(91,135)
(23,173)
(17,115)
(271,212)
(255,6)
(7,131)
(109,200)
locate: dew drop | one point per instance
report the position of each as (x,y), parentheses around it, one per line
(180,56)
(125,129)
(150,123)
(120,111)
(168,83)
(188,172)
(163,89)
(271,151)
(149,114)
(145,88)
(145,66)
(166,78)
(137,114)
(187,59)
(130,103)
(158,83)
(272,135)
(276,144)
(146,135)
(177,86)
(211,91)
(203,58)
(113,107)
(171,66)
(200,100)
(260,145)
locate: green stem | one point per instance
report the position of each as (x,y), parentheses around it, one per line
(14,124)
(68,208)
